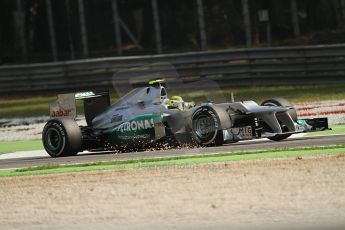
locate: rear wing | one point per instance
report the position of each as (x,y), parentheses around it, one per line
(94,104)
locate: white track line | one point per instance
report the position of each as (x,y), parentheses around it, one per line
(42,153)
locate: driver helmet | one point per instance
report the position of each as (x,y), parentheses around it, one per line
(176,102)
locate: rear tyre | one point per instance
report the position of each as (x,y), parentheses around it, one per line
(292,113)
(205,125)
(62,137)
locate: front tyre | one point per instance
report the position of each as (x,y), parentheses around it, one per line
(62,137)
(205,125)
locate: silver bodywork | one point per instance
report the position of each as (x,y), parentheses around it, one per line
(145,100)
(153,100)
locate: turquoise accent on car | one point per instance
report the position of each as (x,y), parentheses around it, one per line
(301,121)
(140,128)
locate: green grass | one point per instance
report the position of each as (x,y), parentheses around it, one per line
(39,105)
(28,106)
(336,130)
(25,107)
(175,161)
(14,146)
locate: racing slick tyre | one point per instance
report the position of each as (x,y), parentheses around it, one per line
(292,113)
(207,124)
(62,137)
(219,140)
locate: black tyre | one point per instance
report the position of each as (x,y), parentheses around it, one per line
(219,140)
(205,125)
(292,113)
(62,138)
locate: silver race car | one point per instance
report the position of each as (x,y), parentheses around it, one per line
(146,117)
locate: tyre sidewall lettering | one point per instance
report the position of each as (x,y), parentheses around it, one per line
(212,113)
(62,135)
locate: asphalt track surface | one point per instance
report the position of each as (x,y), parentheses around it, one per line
(237,147)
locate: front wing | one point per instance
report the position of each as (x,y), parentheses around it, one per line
(249,132)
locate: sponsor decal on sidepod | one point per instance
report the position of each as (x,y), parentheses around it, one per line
(135,125)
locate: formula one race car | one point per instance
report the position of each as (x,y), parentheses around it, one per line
(146,117)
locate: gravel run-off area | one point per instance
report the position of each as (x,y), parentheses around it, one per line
(290,193)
